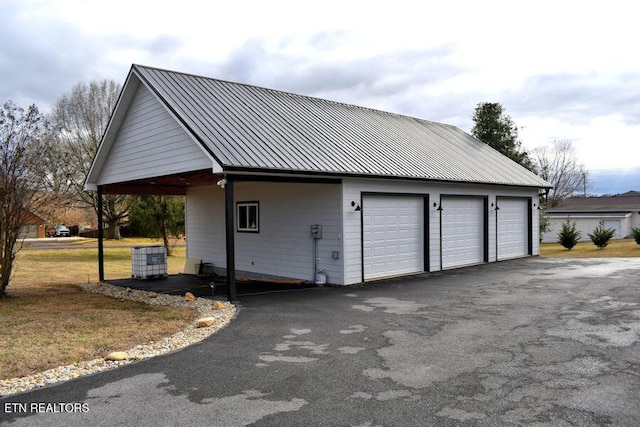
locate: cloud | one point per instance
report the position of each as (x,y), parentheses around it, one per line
(396,81)
(579,98)
(45,58)
(36,63)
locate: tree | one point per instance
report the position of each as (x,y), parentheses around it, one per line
(24,156)
(568,236)
(496,129)
(601,235)
(81,117)
(158,216)
(559,166)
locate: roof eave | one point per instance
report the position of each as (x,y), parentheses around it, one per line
(237,170)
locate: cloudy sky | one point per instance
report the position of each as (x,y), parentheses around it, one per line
(563,69)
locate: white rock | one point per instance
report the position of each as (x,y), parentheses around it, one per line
(117,355)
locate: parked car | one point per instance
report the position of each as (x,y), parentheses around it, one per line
(58,231)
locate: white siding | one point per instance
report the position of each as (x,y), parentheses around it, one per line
(585,224)
(353,189)
(283,246)
(205,229)
(151,143)
(633,223)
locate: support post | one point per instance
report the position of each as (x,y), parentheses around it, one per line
(230,239)
(100,237)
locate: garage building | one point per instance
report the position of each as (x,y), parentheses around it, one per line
(288,185)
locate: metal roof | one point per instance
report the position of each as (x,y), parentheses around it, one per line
(257,129)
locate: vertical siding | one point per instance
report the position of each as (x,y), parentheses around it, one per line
(353,188)
(284,246)
(151,143)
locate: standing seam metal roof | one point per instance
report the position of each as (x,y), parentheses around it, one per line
(250,127)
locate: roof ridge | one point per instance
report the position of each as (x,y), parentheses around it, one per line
(247,127)
(330,101)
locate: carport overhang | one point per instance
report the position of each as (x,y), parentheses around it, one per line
(178,184)
(174,185)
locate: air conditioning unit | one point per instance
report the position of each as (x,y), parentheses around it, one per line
(148,262)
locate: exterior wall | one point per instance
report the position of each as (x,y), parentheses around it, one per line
(353,189)
(634,220)
(585,224)
(151,141)
(204,224)
(283,246)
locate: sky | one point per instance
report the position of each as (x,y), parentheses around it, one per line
(562,69)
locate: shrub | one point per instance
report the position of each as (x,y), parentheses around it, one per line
(636,234)
(568,235)
(601,235)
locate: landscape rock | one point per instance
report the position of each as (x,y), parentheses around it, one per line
(218,305)
(205,322)
(117,356)
(189,296)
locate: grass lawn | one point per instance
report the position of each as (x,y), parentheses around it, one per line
(625,248)
(49,321)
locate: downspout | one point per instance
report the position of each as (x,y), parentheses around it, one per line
(100,237)
(230,238)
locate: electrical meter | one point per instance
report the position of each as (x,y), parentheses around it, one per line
(316,231)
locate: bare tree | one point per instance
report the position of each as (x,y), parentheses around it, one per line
(24,167)
(81,117)
(560,167)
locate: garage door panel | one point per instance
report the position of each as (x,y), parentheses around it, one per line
(463,237)
(392,236)
(513,232)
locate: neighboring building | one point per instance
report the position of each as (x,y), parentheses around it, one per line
(261,168)
(34,229)
(620,212)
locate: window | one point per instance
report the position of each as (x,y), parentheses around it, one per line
(248,217)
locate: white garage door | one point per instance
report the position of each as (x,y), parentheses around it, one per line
(393,235)
(513,227)
(615,224)
(28,232)
(463,235)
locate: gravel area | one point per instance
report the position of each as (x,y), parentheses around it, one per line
(190,335)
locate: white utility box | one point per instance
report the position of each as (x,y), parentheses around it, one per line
(148,262)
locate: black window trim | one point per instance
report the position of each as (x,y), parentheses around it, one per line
(247,204)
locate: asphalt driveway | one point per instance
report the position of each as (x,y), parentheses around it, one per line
(523,342)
